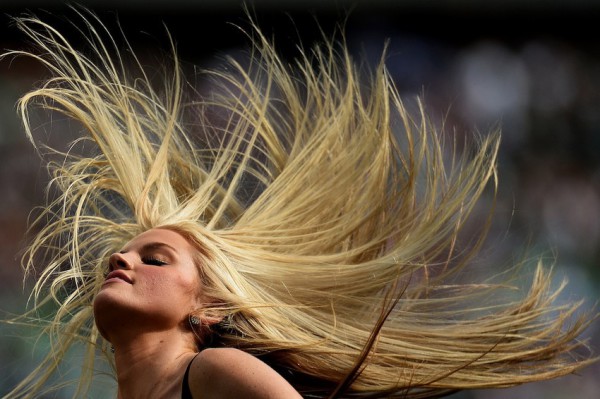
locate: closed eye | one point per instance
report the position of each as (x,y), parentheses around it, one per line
(153,261)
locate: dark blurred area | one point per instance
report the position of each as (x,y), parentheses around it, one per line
(532,68)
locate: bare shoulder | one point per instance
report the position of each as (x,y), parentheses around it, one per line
(229,373)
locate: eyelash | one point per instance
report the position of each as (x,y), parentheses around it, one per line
(153,261)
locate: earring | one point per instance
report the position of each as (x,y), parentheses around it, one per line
(112,349)
(194,321)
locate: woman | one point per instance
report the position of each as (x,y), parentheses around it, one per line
(294,232)
(152,341)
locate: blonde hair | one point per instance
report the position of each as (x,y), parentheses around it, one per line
(327,220)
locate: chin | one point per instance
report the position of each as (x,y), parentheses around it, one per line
(109,310)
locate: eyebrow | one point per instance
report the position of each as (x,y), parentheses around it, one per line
(152,246)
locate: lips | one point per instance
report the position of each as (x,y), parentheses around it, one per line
(118,275)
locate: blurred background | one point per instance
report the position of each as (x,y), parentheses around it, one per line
(530,67)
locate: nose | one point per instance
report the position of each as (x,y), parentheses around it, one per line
(118,261)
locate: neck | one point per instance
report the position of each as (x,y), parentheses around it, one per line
(152,364)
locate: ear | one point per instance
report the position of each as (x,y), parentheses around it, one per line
(203,318)
(208,319)
(201,322)
(200,325)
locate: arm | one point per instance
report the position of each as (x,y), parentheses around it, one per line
(231,373)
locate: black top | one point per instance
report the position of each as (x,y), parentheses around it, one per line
(185,387)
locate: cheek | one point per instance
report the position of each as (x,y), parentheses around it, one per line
(167,285)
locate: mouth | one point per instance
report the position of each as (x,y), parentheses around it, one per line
(118,276)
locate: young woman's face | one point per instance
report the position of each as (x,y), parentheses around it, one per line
(152,281)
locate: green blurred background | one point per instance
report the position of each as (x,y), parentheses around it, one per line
(532,67)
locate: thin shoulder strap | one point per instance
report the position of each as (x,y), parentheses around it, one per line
(185,386)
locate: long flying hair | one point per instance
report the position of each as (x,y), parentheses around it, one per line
(326,216)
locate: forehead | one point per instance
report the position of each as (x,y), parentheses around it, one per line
(159,236)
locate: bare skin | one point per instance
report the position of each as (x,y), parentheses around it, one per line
(143,309)
(230,373)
